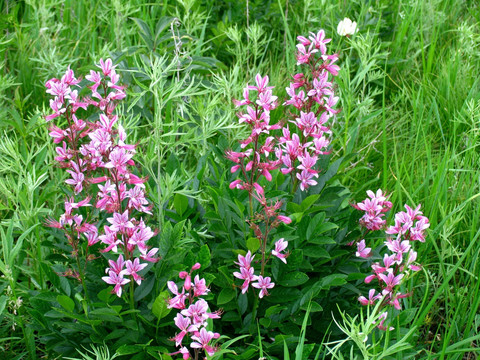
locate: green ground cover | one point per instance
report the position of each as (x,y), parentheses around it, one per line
(409,123)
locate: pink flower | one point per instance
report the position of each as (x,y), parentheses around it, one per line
(202,340)
(362,250)
(280,245)
(184,351)
(149,256)
(117,280)
(304,55)
(390,280)
(261,84)
(198,313)
(398,247)
(307,162)
(132,268)
(245,261)
(306,179)
(92,237)
(120,222)
(245,101)
(371,298)
(319,41)
(57,134)
(329,65)
(70,204)
(382,319)
(184,324)
(77,179)
(285,219)
(246,274)
(119,158)
(178,302)
(418,231)
(106,66)
(263,283)
(412,256)
(116,266)
(109,238)
(200,287)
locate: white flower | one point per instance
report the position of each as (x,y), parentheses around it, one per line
(346,27)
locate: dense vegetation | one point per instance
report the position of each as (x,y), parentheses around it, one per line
(409,101)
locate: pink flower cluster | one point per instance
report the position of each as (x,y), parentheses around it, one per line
(192,319)
(95,152)
(400,258)
(296,151)
(247,274)
(375,206)
(255,162)
(312,95)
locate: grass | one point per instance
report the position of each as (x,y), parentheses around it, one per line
(410,111)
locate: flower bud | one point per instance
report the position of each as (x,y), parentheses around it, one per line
(188,283)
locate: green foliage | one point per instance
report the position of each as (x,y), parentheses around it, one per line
(409,123)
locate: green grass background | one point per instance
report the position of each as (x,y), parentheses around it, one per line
(410,100)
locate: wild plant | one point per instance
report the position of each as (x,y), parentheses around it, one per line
(296,152)
(193,315)
(399,261)
(100,163)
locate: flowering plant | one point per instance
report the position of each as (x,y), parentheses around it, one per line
(96,156)
(296,152)
(399,261)
(193,315)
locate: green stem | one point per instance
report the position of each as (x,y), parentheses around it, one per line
(295,186)
(81,273)
(132,303)
(255,306)
(264,244)
(251,204)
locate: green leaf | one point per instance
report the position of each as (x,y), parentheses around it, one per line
(316,252)
(226,295)
(144,289)
(313,224)
(173,164)
(322,240)
(180,202)
(105,314)
(162,24)
(224,277)
(294,279)
(324,227)
(159,307)
(3,302)
(105,295)
(265,322)
(145,32)
(242,303)
(283,295)
(115,334)
(309,201)
(30,340)
(231,316)
(128,349)
(272,310)
(295,258)
(67,303)
(253,244)
(333,280)
(204,256)
(315,307)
